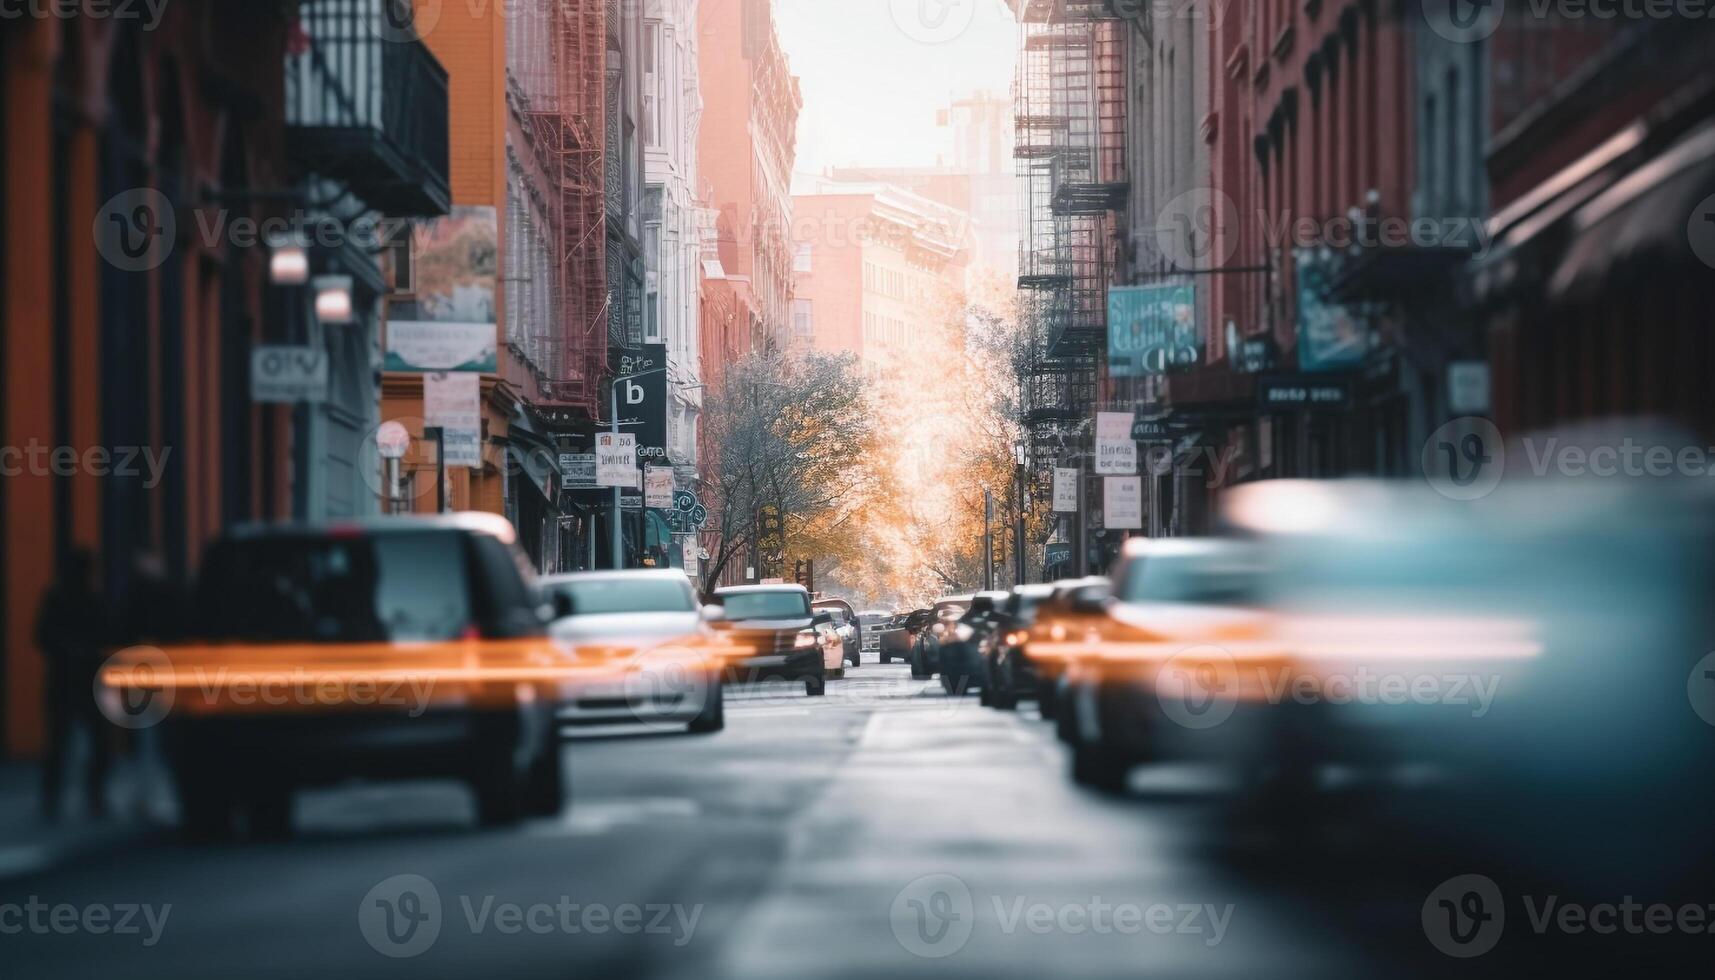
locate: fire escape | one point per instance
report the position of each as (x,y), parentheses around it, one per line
(568,121)
(1070,103)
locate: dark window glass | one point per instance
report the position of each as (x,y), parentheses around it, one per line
(369,589)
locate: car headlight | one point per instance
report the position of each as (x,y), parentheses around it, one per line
(962,632)
(1016,638)
(805,640)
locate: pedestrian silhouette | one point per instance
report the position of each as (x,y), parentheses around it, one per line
(71,631)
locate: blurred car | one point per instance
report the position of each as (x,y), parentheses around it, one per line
(847,622)
(872,623)
(649,629)
(1007,673)
(773,634)
(394,648)
(897,642)
(961,643)
(1179,609)
(848,634)
(926,651)
(1061,623)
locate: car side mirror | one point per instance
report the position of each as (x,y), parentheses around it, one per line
(714,614)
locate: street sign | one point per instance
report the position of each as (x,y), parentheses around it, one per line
(615,460)
(1116,453)
(578,470)
(1065,490)
(1122,502)
(287,375)
(658,486)
(690,554)
(1300,392)
(1152,430)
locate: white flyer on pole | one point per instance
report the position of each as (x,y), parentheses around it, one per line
(1065,490)
(1122,502)
(453,404)
(658,487)
(1116,451)
(616,460)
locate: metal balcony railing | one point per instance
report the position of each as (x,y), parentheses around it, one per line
(367,105)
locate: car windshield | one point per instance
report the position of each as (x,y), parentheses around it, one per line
(409,587)
(1193,579)
(602,596)
(766,605)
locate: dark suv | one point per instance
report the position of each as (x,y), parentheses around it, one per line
(776,634)
(383,649)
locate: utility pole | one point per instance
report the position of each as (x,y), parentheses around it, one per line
(988,539)
(618,504)
(1019,577)
(1080,550)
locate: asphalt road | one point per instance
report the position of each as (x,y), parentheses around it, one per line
(885,829)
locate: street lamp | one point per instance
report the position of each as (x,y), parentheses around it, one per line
(333,299)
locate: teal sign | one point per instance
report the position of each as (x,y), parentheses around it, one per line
(1153,330)
(1330,338)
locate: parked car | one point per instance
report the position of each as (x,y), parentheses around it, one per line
(848,633)
(648,632)
(1061,623)
(851,629)
(873,623)
(926,651)
(773,634)
(394,648)
(961,644)
(897,643)
(1007,673)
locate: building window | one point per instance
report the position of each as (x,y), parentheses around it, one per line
(803,318)
(801,260)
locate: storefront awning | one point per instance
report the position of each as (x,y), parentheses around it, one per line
(1642,218)
(536,467)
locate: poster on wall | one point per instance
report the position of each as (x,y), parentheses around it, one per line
(658,487)
(452,402)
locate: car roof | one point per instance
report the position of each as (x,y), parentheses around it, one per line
(1034,591)
(954,598)
(469,522)
(749,589)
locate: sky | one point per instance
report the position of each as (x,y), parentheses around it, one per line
(874,72)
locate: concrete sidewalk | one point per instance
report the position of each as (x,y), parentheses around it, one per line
(139,806)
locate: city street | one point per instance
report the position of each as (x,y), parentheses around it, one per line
(794,843)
